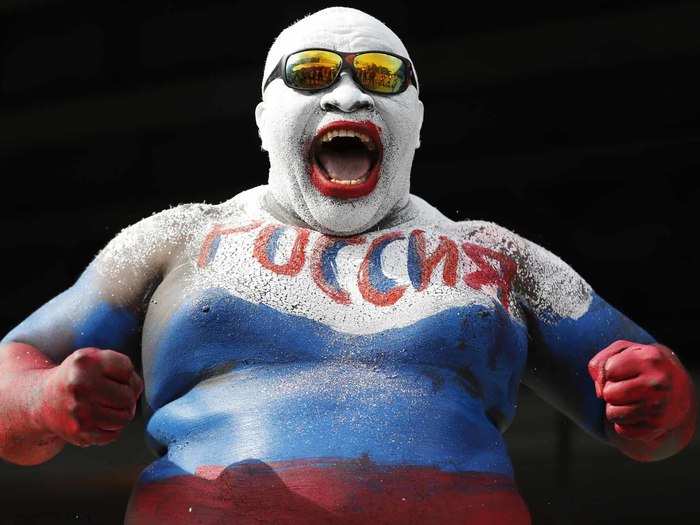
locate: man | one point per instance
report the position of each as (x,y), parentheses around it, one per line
(329,348)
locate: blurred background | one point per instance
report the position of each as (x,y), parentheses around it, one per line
(576,124)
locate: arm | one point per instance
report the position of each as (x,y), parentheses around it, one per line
(597,366)
(66,372)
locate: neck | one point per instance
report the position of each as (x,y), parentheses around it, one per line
(404,211)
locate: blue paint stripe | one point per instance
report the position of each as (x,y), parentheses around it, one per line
(272,244)
(377,279)
(213,248)
(329,267)
(106,326)
(414,262)
(463,365)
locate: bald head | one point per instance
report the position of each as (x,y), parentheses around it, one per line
(338,28)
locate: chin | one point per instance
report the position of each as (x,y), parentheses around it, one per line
(338,221)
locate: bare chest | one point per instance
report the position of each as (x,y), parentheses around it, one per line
(265,293)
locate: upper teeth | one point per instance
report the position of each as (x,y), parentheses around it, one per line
(330,135)
(349,182)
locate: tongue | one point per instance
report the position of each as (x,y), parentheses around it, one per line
(345,165)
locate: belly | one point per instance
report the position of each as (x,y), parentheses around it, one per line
(328,442)
(400,415)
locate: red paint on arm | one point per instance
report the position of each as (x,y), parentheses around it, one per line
(23,438)
(650,408)
(86,400)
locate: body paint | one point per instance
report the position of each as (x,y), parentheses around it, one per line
(324,267)
(265,250)
(321,491)
(211,242)
(374,286)
(487,274)
(421,265)
(494,269)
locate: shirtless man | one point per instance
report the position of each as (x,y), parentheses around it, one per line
(329,348)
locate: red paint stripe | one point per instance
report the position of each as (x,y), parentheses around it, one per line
(446,249)
(296,260)
(220,231)
(363,279)
(487,274)
(324,242)
(329,491)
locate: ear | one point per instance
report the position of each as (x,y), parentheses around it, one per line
(420,123)
(260,121)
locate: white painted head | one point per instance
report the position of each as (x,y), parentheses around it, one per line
(293,123)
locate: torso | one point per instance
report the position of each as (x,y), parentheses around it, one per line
(401,349)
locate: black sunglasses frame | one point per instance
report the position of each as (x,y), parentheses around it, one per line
(279,71)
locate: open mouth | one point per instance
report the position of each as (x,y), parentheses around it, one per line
(346,158)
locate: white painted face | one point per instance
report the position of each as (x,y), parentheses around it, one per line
(289,121)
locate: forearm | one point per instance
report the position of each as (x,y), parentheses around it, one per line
(23,438)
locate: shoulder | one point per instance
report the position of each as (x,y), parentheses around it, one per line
(542,279)
(160,237)
(499,238)
(491,235)
(485,233)
(168,226)
(180,224)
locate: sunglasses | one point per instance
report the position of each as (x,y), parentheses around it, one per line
(374,71)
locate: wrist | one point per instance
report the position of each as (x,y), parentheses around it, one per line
(38,408)
(25,438)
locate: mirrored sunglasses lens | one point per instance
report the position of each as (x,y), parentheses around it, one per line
(313,69)
(380,73)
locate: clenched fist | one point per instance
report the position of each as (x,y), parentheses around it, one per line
(90,397)
(646,390)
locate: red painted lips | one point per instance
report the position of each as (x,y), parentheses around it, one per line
(345,159)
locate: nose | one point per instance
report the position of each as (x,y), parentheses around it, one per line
(346,96)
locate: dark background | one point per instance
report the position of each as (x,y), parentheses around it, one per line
(575,124)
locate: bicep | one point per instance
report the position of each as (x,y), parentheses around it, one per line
(105,308)
(88,314)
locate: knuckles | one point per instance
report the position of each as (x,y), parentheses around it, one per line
(652,355)
(88,358)
(84,357)
(643,387)
(660,381)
